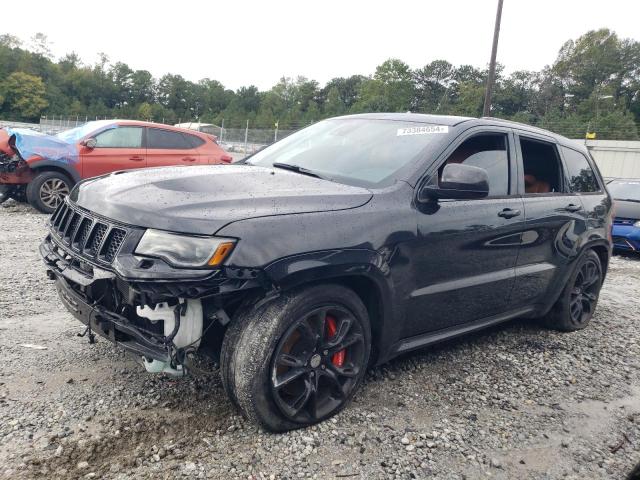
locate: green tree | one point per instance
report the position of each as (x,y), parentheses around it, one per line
(391,88)
(433,84)
(145,112)
(24,95)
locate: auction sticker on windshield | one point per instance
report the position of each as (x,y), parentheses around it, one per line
(424,130)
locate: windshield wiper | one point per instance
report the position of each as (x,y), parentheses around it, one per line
(636,200)
(297,169)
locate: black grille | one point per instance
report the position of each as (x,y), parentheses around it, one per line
(97,235)
(71,227)
(93,238)
(624,221)
(83,233)
(113,244)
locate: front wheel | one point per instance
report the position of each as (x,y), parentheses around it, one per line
(298,359)
(47,190)
(578,300)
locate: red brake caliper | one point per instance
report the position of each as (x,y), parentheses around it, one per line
(337,358)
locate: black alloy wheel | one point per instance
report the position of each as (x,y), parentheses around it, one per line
(316,364)
(577,302)
(298,358)
(584,294)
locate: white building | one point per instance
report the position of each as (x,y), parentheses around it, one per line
(616,158)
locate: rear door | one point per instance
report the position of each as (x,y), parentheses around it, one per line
(465,255)
(169,147)
(555,220)
(117,148)
(583,181)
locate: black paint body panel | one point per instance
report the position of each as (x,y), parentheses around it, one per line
(434,268)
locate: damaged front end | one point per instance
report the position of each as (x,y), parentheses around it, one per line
(160,313)
(14,171)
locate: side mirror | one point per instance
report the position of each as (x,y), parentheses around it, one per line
(90,143)
(458,182)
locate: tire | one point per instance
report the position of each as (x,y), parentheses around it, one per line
(19,194)
(579,298)
(5,192)
(279,370)
(47,190)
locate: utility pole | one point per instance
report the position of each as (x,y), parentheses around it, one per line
(486,111)
(246,135)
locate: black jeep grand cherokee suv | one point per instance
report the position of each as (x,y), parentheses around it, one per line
(345,244)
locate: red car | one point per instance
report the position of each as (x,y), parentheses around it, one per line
(42,169)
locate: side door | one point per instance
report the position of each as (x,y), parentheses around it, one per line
(465,254)
(555,220)
(169,147)
(117,148)
(583,181)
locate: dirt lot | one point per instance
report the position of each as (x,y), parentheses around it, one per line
(513,402)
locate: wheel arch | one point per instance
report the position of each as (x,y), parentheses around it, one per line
(603,250)
(47,166)
(365,278)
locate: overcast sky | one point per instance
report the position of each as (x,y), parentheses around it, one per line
(243,42)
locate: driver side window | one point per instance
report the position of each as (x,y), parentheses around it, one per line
(487,151)
(120,137)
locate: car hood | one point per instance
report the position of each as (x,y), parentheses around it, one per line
(627,209)
(32,145)
(203,199)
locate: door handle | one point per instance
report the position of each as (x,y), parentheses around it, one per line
(572,207)
(136,159)
(509,213)
(188,159)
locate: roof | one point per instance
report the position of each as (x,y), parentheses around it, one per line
(448,120)
(452,121)
(194,125)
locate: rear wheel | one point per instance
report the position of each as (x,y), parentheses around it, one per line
(298,359)
(47,190)
(578,300)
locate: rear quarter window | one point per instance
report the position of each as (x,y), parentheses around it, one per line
(194,141)
(581,177)
(167,139)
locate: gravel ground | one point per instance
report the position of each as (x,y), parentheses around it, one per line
(516,401)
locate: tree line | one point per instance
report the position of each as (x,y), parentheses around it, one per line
(592,86)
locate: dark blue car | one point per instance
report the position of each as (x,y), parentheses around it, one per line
(626,226)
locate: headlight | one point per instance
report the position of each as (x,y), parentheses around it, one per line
(183,250)
(637,224)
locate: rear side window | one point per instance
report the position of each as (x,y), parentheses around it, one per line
(120,137)
(487,151)
(193,140)
(581,176)
(542,169)
(158,138)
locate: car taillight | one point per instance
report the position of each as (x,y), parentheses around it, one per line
(226,158)
(612,217)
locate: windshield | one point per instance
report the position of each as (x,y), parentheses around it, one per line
(75,134)
(355,151)
(625,189)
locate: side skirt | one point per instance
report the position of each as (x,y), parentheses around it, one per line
(430,338)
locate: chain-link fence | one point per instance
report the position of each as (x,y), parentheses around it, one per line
(247,140)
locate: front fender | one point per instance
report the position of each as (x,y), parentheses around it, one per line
(69,168)
(365,271)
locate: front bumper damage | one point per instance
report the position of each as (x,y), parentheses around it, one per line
(160,320)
